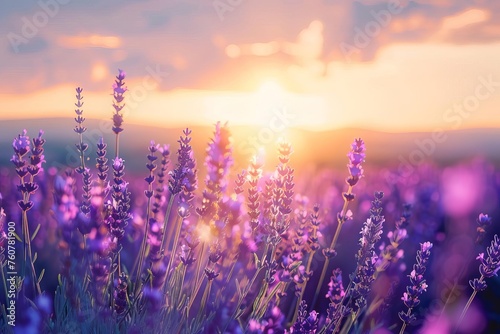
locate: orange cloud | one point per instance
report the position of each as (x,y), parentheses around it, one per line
(465,18)
(96,41)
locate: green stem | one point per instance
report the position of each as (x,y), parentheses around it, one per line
(404,323)
(198,278)
(204,299)
(350,322)
(403,328)
(469,302)
(332,246)
(117,142)
(178,225)
(165,222)
(27,243)
(246,290)
(142,250)
(82,153)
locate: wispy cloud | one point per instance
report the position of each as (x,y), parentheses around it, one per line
(89,41)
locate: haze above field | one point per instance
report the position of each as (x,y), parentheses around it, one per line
(312,148)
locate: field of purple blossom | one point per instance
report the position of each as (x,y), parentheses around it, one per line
(198,247)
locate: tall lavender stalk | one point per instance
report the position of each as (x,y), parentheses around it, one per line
(253,178)
(161,177)
(391,252)
(182,184)
(120,215)
(364,274)
(356,158)
(80,129)
(21,146)
(151,166)
(118,90)
(275,226)
(218,162)
(417,287)
(313,246)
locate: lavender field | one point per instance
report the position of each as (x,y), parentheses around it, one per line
(219,244)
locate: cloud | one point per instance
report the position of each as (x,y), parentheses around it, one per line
(200,50)
(89,41)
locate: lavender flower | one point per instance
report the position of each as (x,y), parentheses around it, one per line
(313,229)
(335,287)
(271,322)
(488,268)
(418,285)
(21,147)
(118,90)
(254,174)
(363,276)
(120,294)
(187,256)
(99,274)
(65,210)
(307,323)
(336,294)
(80,129)
(183,177)
(391,252)
(483,222)
(158,268)
(211,274)
(121,201)
(490,265)
(162,173)
(151,166)
(356,157)
(240,182)
(300,235)
(87,195)
(37,157)
(102,161)
(217,162)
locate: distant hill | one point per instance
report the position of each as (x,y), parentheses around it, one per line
(327,148)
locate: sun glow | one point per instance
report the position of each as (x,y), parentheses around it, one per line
(204,232)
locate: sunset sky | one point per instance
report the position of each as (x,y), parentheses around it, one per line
(391,66)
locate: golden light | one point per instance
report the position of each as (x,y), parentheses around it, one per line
(271,87)
(264,49)
(86,41)
(233,51)
(99,72)
(261,155)
(204,232)
(269,97)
